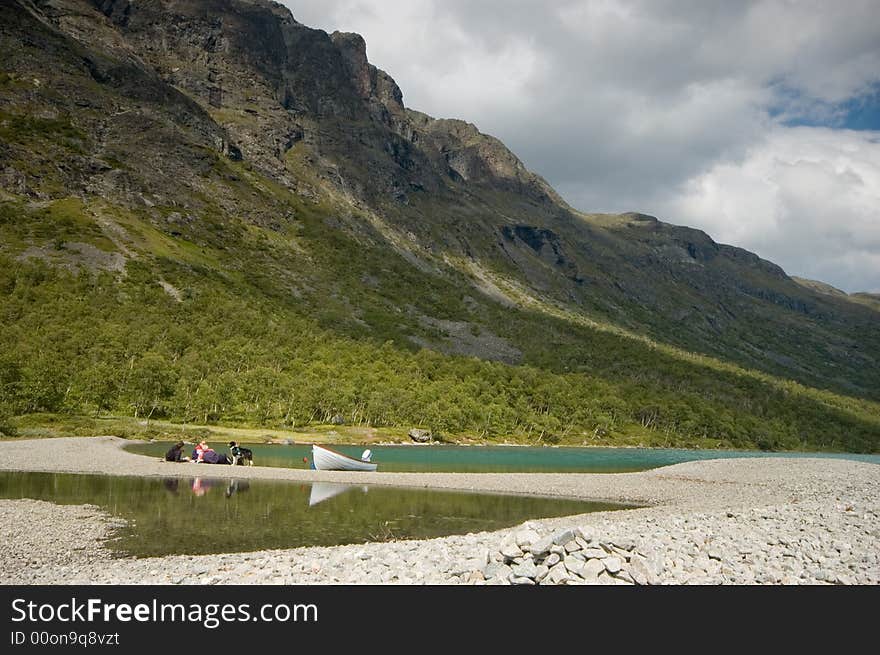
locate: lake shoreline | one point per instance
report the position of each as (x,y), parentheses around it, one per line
(742,510)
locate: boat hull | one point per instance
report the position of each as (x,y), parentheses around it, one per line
(325,459)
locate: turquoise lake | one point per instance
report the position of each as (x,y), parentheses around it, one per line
(501,459)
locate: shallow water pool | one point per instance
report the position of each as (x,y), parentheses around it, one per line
(202,515)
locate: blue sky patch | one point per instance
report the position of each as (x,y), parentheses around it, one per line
(794,109)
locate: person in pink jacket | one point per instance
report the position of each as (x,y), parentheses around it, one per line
(203,453)
(199,453)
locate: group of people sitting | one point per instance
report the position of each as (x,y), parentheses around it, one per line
(203,453)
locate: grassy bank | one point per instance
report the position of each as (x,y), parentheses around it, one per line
(47,426)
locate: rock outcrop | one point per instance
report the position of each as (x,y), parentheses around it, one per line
(421,436)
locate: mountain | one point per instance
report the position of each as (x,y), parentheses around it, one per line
(868,299)
(210,211)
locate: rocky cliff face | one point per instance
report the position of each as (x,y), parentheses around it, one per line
(134,102)
(273,82)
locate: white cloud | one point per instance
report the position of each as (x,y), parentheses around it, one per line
(806,197)
(622,104)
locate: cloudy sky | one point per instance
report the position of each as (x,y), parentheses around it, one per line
(756,121)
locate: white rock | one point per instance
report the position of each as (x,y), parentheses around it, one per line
(606,579)
(509,549)
(592,569)
(586,532)
(521,581)
(574,565)
(558,574)
(540,547)
(625,576)
(525,570)
(594,553)
(563,537)
(466,566)
(639,570)
(497,570)
(612,564)
(526,537)
(542,571)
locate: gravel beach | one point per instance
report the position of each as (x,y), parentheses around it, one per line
(731,521)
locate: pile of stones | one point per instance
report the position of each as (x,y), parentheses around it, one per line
(570,556)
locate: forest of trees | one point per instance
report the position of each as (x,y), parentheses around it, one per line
(80,343)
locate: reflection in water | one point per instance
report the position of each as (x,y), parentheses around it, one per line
(188,516)
(322,491)
(237,486)
(201,486)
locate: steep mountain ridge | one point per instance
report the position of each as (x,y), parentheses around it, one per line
(222,140)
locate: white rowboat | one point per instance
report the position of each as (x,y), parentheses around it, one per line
(326,459)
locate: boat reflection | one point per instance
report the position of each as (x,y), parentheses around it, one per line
(322,491)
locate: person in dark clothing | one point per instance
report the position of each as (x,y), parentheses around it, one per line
(213,457)
(175,454)
(204,453)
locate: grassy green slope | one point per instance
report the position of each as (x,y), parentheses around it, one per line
(280,329)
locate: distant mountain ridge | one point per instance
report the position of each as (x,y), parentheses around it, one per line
(221,142)
(869,299)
